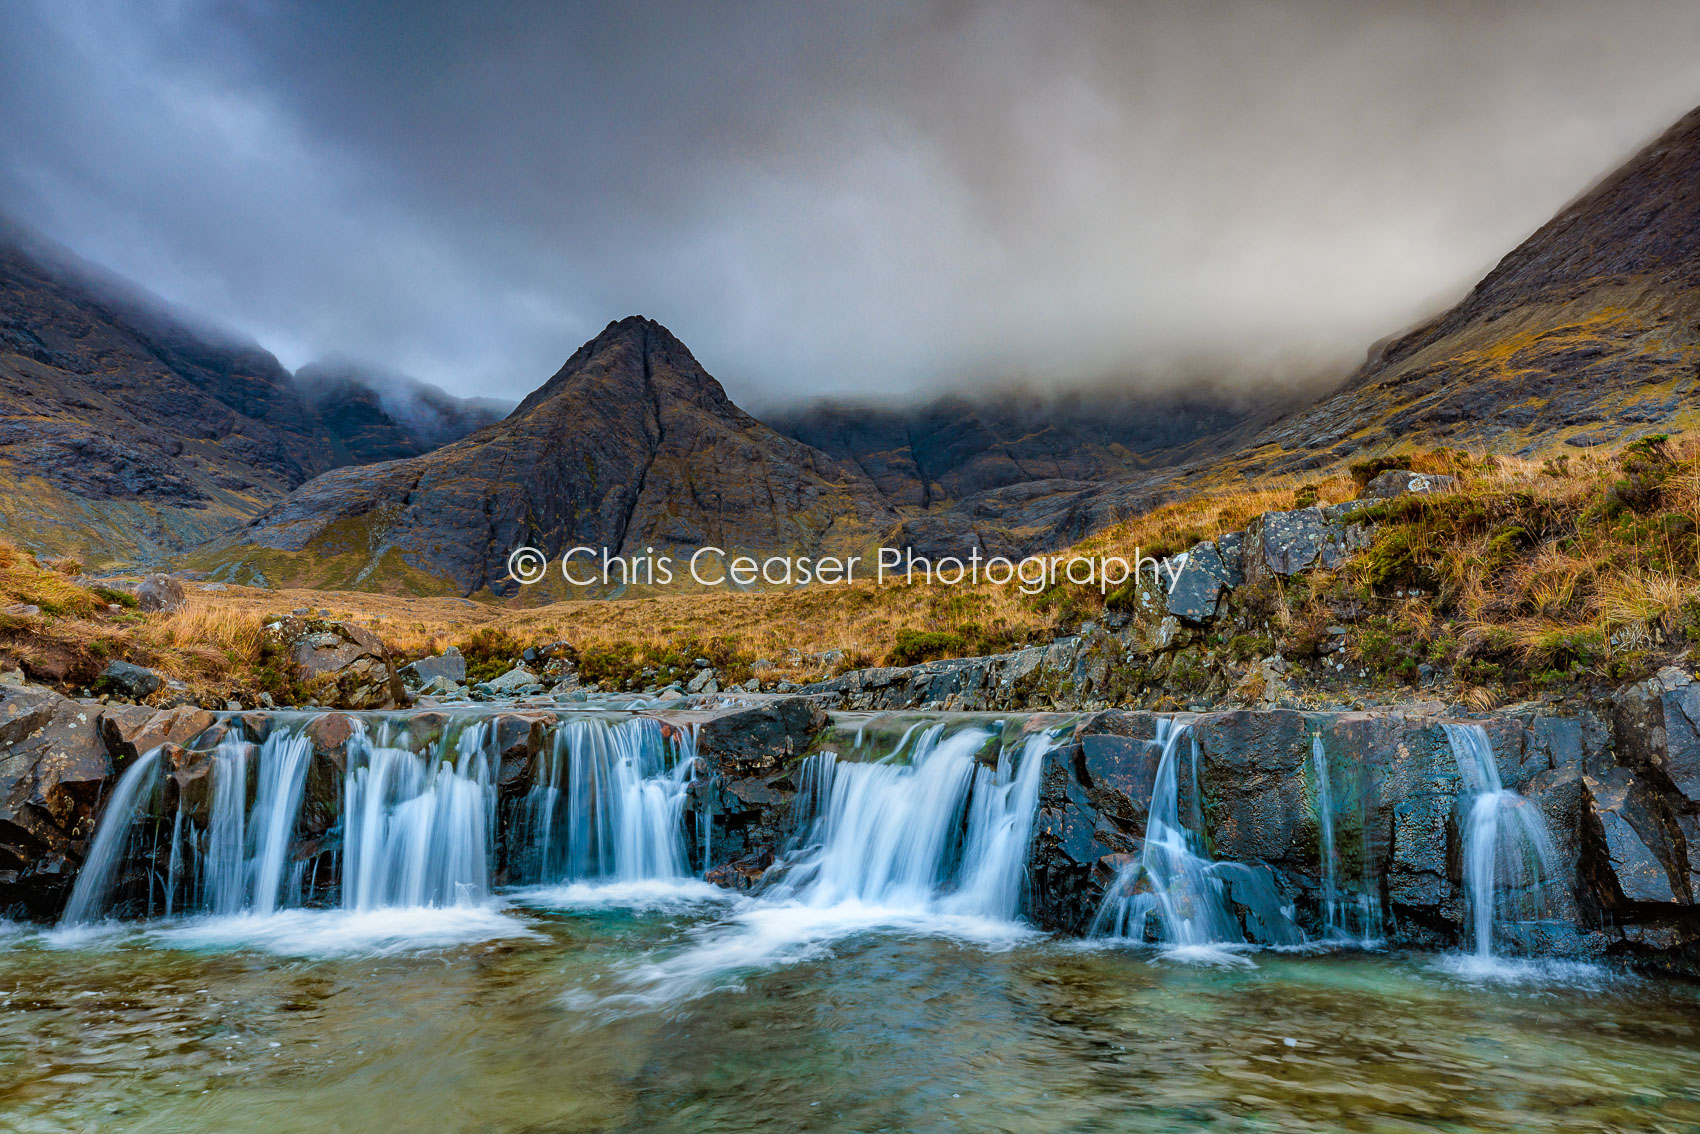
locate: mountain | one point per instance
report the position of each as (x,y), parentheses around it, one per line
(125,432)
(129,432)
(1586,333)
(956,447)
(630,446)
(378,416)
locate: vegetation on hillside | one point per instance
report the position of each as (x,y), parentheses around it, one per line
(1527,577)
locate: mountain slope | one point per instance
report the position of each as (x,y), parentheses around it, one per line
(631,445)
(128,433)
(1586,333)
(957,447)
(379,417)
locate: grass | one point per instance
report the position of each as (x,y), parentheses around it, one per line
(1527,576)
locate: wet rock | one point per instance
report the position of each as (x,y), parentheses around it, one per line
(1629,827)
(1401,482)
(160,594)
(449,666)
(54,772)
(344,665)
(134,682)
(130,731)
(753,739)
(744,874)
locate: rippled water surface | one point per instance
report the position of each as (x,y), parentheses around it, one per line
(575,1010)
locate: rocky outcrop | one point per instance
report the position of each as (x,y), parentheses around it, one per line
(54,771)
(341,664)
(160,594)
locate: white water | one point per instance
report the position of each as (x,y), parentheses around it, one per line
(941,833)
(417,830)
(111,841)
(609,804)
(1173,892)
(1508,853)
(936,845)
(1349,916)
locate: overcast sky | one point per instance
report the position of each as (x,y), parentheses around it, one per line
(855,198)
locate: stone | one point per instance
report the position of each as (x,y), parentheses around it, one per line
(701,680)
(1197,588)
(214,587)
(1621,819)
(1657,724)
(54,772)
(131,730)
(135,682)
(1285,543)
(449,665)
(513,682)
(1402,482)
(344,665)
(160,594)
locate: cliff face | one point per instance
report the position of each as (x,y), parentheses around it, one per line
(631,445)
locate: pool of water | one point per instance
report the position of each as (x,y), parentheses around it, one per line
(671,1009)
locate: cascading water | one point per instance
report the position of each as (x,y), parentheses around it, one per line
(1351,916)
(111,841)
(608,804)
(942,832)
(1173,892)
(417,832)
(413,829)
(1508,853)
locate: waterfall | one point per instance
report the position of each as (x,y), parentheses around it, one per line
(1508,853)
(608,804)
(111,839)
(418,831)
(1173,891)
(1325,823)
(941,832)
(1344,915)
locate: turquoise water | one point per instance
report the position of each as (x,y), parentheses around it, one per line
(696,1013)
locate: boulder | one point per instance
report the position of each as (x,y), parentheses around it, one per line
(1285,543)
(343,665)
(160,594)
(448,665)
(1402,482)
(1629,830)
(133,682)
(514,682)
(1197,588)
(703,681)
(752,739)
(131,730)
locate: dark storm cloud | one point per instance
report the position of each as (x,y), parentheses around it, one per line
(862,198)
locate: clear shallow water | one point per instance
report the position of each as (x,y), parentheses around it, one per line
(686,1011)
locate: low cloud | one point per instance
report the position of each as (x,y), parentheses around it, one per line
(871,199)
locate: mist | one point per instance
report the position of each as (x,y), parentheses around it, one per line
(873,200)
